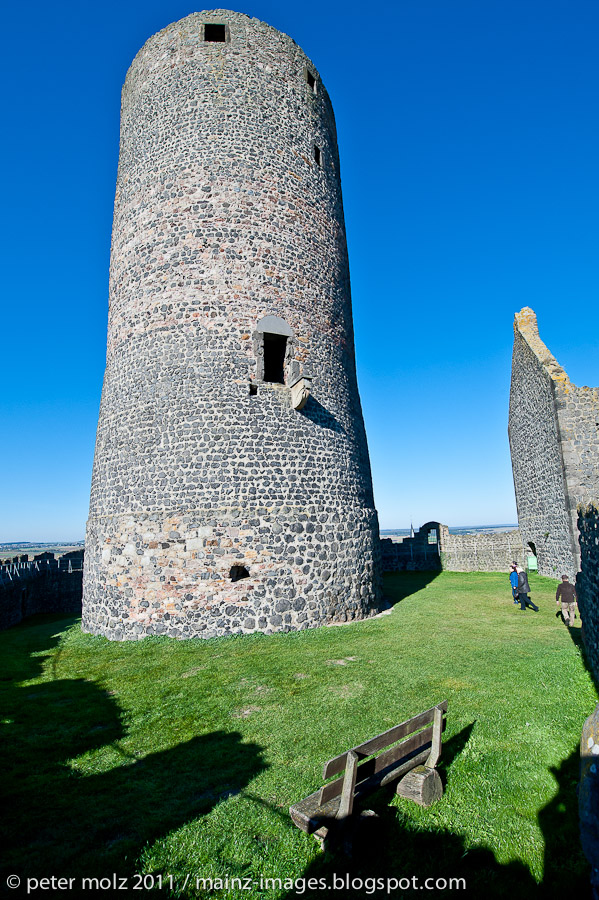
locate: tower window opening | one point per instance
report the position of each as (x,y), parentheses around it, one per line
(317,155)
(253,390)
(236,573)
(275,347)
(213,32)
(311,80)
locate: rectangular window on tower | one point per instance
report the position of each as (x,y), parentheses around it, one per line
(214,32)
(275,347)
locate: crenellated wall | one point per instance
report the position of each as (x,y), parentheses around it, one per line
(43,585)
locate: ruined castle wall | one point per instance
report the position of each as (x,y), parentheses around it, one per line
(578,419)
(420,552)
(539,404)
(433,547)
(228,211)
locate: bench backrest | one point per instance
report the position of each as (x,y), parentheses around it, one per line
(422,743)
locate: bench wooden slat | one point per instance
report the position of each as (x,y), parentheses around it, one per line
(370,767)
(337,764)
(335,799)
(309,814)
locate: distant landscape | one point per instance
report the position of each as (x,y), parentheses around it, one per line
(453,529)
(32,548)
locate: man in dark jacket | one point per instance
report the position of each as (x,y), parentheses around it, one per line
(566,592)
(524,591)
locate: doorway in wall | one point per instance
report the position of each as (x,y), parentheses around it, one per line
(531,558)
(275,347)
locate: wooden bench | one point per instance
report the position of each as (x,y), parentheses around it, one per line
(375,763)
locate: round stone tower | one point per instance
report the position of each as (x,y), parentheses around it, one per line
(231,487)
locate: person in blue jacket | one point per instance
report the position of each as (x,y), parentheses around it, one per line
(524,591)
(514,582)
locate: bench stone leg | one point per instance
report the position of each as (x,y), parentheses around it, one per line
(422,785)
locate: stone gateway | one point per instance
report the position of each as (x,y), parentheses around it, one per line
(231,488)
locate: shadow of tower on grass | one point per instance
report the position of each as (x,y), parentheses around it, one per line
(96,818)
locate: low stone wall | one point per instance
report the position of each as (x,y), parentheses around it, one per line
(433,547)
(47,589)
(587,580)
(481,552)
(397,558)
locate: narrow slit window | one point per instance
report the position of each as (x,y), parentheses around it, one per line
(214,32)
(311,80)
(275,347)
(317,155)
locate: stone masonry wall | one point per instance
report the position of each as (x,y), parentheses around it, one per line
(481,552)
(587,580)
(44,590)
(228,224)
(420,552)
(553,431)
(453,552)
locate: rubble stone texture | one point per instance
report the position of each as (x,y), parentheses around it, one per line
(554,441)
(433,547)
(587,582)
(216,507)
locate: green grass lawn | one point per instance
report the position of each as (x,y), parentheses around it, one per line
(181,758)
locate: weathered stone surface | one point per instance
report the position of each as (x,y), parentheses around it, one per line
(43,585)
(228,228)
(587,582)
(433,547)
(554,444)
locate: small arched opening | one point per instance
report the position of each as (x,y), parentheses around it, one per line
(236,573)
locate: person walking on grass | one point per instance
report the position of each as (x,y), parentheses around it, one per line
(514,582)
(524,591)
(566,592)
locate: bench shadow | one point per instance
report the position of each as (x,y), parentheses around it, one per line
(391,845)
(96,816)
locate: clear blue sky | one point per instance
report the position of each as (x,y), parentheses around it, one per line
(468,134)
